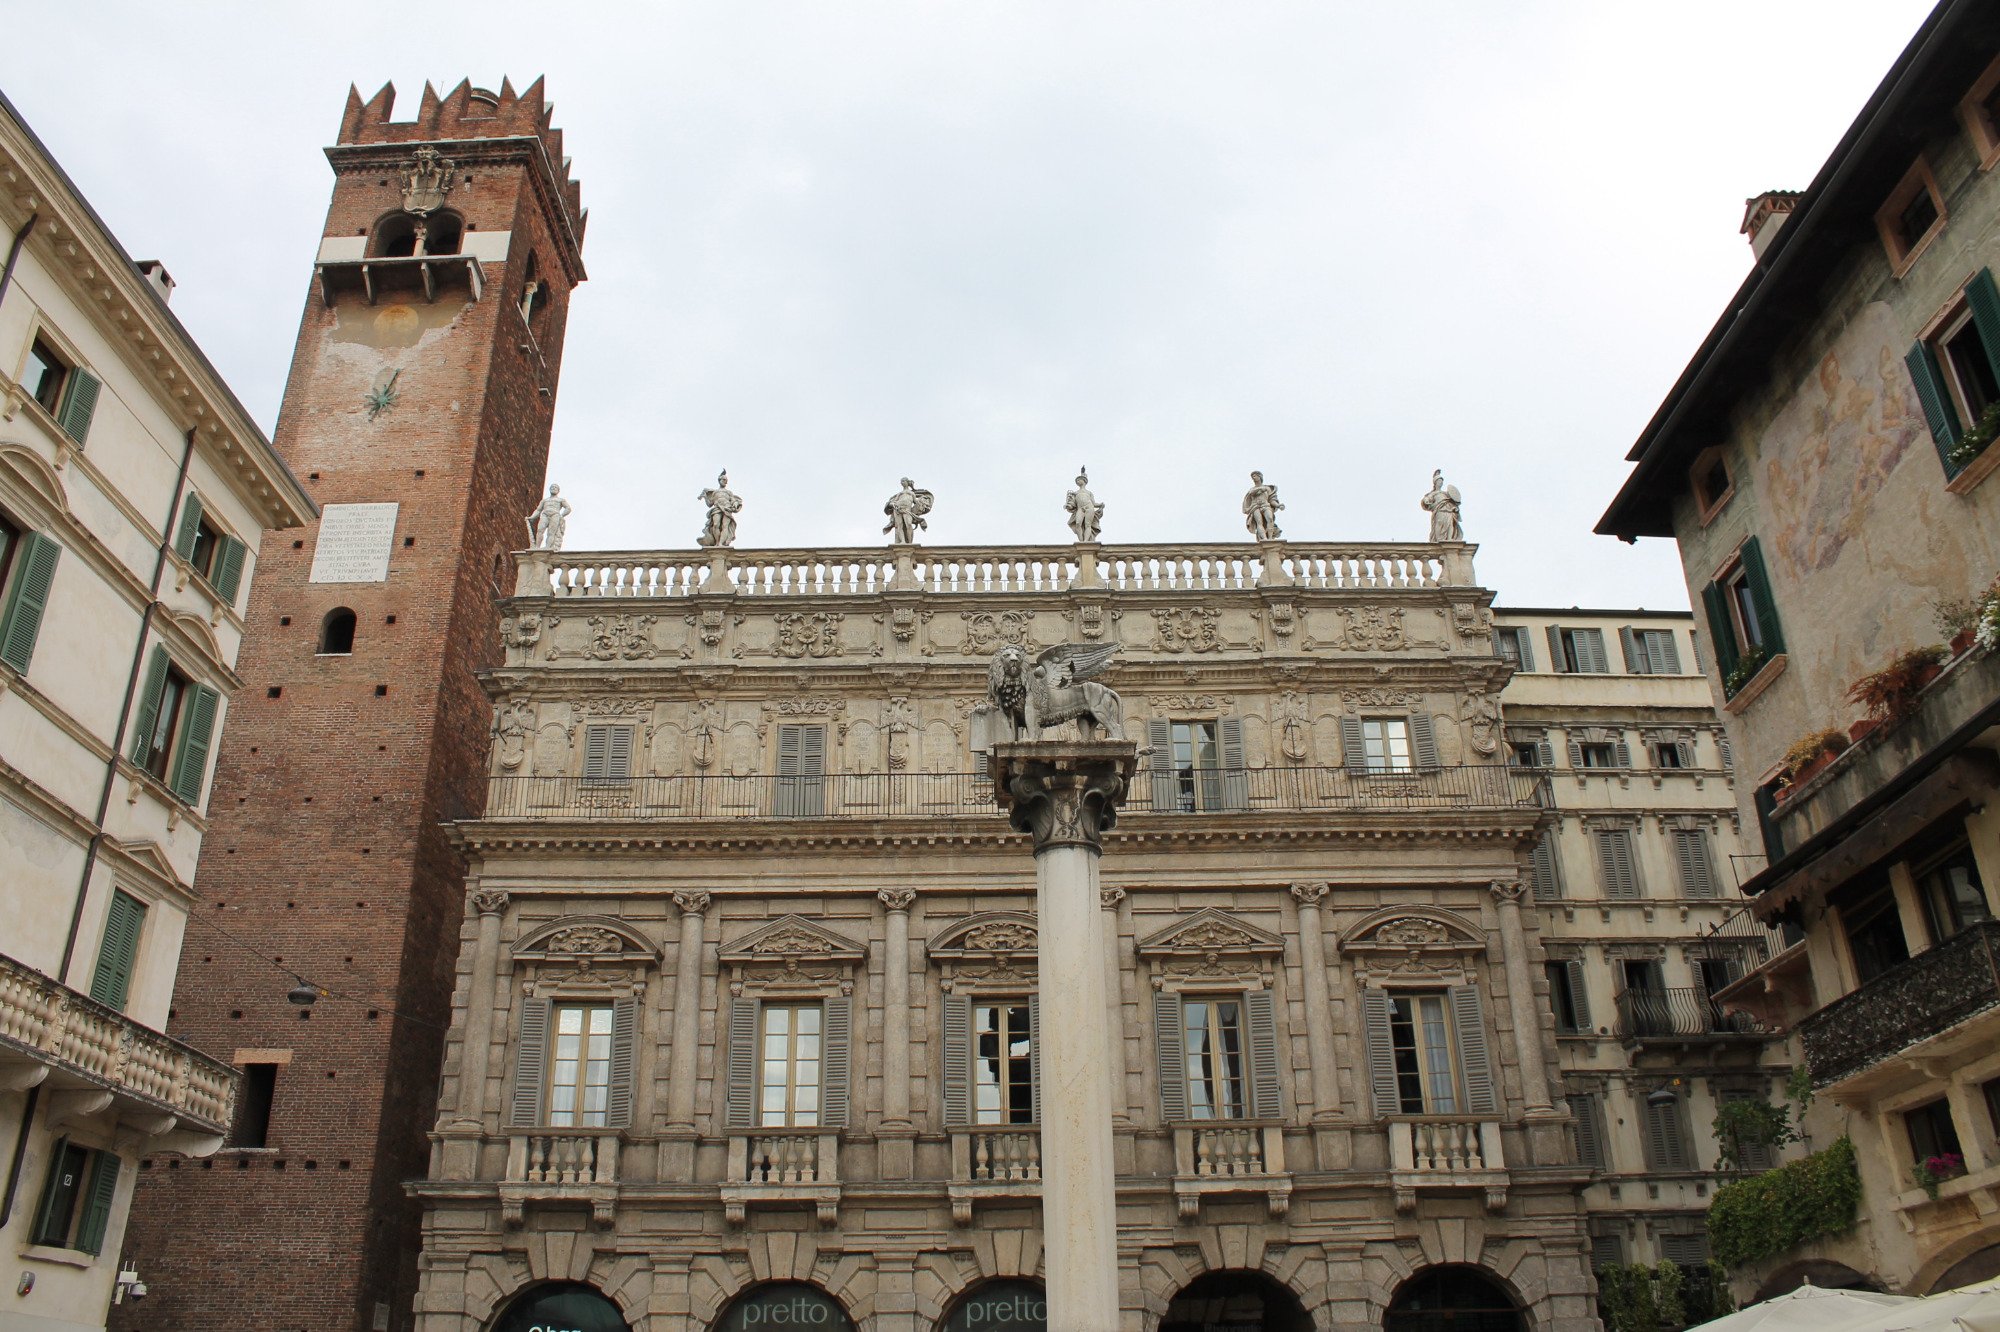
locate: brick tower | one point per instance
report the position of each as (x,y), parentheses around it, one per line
(418,414)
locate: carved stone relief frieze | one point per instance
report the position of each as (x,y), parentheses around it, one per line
(609,638)
(1414,944)
(1187,629)
(513,724)
(709,622)
(704,733)
(808,633)
(1091,617)
(1481,714)
(987,631)
(1362,699)
(521,632)
(1211,947)
(791,953)
(1290,718)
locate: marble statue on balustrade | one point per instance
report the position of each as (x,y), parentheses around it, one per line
(1024,699)
(723,506)
(906,509)
(1085,511)
(546,523)
(1442,505)
(1260,509)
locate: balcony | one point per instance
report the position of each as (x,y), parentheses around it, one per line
(1446,1152)
(997,1163)
(380,276)
(783,1168)
(570,1166)
(875,795)
(1682,1016)
(95,1060)
(1230,1158)
(1914,1003)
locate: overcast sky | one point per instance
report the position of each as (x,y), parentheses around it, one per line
(981,243)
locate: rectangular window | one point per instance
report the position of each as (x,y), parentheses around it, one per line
(1742,617)
(1589,1130)
(209,551)
(1523,754)
(1515,647)
(1386,741)
(790,1060)
(1650,651)
(1954,898)
(1566,997)
(1909,215)
(1420,1040)
(1196,758)
(801,781)
(1003,1070)
(1874,930)
(75,1207)
(1596,754)
(118,950)
(1617,863)
(1212,1040)
(607,754)
(252,1128)
(580,1066)
(157,742)
(44,376)
(1544,870)
(1695,862)
(1931,1131)
(1711,481)
(1607,1250)
(1752,1156)
(1671,754)
(1578,651)
(1689,1250)
(1666,1133)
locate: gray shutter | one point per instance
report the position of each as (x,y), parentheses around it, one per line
(1663,655)
(1470,1018)
(1635,651)
(1685,748)
(1614,861)
(1575,752)
(1691,851)
(812,770)
(1381,1051)
(1556,662)
(190,526)
(1589,1143)
(1543,872)
(607,754)
(1266,1087)
(1694,642)
(1173,1057)
(98,1196)
(1526,642)
(838,1023)
(1579,999)
(149,705)
(624,1034)
(1545,753)
(1607,1250)
(27,600)
(1664,1145)
(1590,654)
(79,404)
(742,1092)
(1621,752)
(1235,777)
(1353,749)
(531,1064)
(1160,738)
(111,982)
(1035,1058)
(228,570)
(957,1060)
(1423,741)
(1722,748)
(618,761)
(190,765)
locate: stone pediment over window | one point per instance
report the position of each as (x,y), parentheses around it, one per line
(792,955)
(992,950)
(1423,944)
(584,952)
(1211,947)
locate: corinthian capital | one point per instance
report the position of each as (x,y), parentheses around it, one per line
(489,901)
(1309,894)
(1506,890)
(692,904)
(898,899)
(1109,898)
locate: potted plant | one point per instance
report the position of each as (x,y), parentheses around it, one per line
(1747,667)
(1809,755)
(1935,1170)
(1890,693)
(1974,441)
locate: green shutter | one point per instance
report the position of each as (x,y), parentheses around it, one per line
(957,1060)
(1715,601)
(190,527)
(1172,1056)
(1266,1084)
(1470,1019)
(1939,414)
(228,569)
(1752,556)
(149,705)
(190,764)
(27,599)
(79,404)
(1984,297)
(98,1196)
(740,1111)
(530,1064)
(1589,1143)
(1381,1052)
(1579,999)
(624,1039)
(50,1228)
(838,1053)
(118,950)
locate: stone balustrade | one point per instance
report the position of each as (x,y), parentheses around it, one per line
(562,1166)
(1230,1157)
(799,1166)
(988,1162)
(1446,1152)
(49,1032)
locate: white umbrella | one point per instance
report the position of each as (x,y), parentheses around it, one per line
(1811,1308)
(1973,1308)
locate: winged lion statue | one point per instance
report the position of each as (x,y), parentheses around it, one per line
(1023,698)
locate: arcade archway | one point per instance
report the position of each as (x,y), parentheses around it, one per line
(564,1304)
(784,1306)
(1453,1298)
(1235,1302)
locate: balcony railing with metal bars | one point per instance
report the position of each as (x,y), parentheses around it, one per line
(1208,791)
(1911,1002)
(1680,1014)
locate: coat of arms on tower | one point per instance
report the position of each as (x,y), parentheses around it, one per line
(426,181)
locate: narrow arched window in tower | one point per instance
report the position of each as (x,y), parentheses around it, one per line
(394,237)
(443,233)
(336,633)
(532,298)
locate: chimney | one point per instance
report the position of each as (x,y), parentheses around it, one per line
(1763,215)
(155,272)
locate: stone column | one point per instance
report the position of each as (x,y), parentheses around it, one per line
(1319,1003)
(896,1135)
(482,995)
(1521,996)
(678,1136)
(1114,1003)
(1065,794)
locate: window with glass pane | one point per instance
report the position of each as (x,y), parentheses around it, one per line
(1195,753)
(1743,607)
(1386,741)
(580,1072)
(10,538)
(1212,1037)
(1420,1036)
(160,744)
(53,1222)
(1003,1073)
(788,1095)
(44,375)
(1954,898)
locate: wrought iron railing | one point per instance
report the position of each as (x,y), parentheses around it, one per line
(1681,1012)
(1929,994)
(967,794)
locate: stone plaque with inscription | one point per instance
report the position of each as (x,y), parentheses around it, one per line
(354,543)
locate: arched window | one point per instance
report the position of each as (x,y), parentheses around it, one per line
(533,298)
(445,233)
(1457,1296)
(336,633)
(396,236)
(1235,1299)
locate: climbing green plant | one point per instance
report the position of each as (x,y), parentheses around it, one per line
(1768,1214)
(1741,1127)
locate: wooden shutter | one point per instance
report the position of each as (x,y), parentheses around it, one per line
(190,764)
(98,1196)
(1035,1059)
(1160,766)
(1665,1149)
(1545,753)
(1234,787)
(607,754)
(1621,753)
(1634,650)
(1266,1085)
(1685,750)
(1752,556)
(1381,1051)
(1983,296)
(190,526)
(741,1112)
(1614,860)
(149,705)
(957,1060)
(79,404)
(1691,853)
(1589,1142)
(1423,741)
(1939,413)
(118,950)
(28,599)
(1525,644)
(1353,747)
(531,1064)
(624,1039)
(838,1023)
(52,1190)
(1590,654)
(1172,1055)
(801,770)
(1715,601)
(1556,660)
(1607,1250)
(1579,999)
(228,569)
(1575,752)
(1542,868)
(1750,1155)
(1663,655)
(1470,1019)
